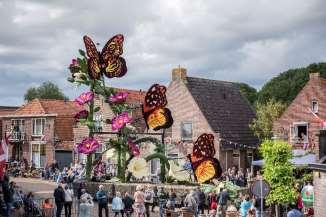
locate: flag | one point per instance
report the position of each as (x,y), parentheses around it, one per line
(3,155)
(321,121)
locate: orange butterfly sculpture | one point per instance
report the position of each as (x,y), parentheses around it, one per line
(202,160)
(155,114)
(108,61)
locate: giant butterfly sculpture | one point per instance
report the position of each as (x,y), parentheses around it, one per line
(156,115)
(203,163)
(108,61)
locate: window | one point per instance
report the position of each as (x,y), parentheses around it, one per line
(250,157)
(38,154)
(155,167)
(186,131)
(18,125)
(314,106)
(299,132)
(38,126)
(98,120)
(236,159)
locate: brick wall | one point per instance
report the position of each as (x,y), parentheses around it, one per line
(298,111)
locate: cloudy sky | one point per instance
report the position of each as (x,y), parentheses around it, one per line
(244,40)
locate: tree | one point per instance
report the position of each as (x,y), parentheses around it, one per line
(249,92)
(47,90)
(286,86)
(278,172)
(266,115)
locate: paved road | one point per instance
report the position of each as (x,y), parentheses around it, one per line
(44,189)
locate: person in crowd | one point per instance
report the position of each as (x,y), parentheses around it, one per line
(59,197)
(102,198)
(68,200)
(172,199)
(7,191)
(240,178)
(117,205)
(201,198)
(128,203)
(155,198)
(139,197)
(31,208)
(294,212)
(149,198)
(162,200)
(251,212)
(259,204)
(212,201)
(212,213)
(245,206)
(191,203)
(248,177)
(86,205)
(299,201)
(223,198)
(47,208)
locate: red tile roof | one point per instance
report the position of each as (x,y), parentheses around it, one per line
(134,96)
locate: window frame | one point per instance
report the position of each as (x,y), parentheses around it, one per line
(43,123)
(182,124)
(314,102)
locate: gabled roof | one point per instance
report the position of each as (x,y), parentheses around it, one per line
(7,110)
(226,110)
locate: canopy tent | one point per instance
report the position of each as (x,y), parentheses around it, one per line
(300,158)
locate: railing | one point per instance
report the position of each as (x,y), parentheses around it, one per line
(16,136)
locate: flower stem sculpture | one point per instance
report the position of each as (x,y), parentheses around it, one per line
(90,69)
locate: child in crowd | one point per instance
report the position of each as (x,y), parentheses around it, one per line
(117,205)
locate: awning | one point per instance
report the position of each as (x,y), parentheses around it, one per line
(297,160)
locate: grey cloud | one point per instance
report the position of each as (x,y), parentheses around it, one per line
(249,41)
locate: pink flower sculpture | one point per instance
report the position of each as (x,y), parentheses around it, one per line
(85,98)
(133,148)
(120,121)
(119,97)
(83,114)
(73,63)
(87,146)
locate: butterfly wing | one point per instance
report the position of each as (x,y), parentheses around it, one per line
(113,48)
(205,169)
(93,62)
(202,160)
(90,47)
(204,146)
(155,98)
(160,118)
(113,64)
(115,67)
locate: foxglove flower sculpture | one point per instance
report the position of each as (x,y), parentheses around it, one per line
(119,97)
(83,114)
(84,98)
(87,146)
(120,121)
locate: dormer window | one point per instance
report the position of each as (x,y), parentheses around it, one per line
(314,106)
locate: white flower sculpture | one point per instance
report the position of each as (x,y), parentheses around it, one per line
(138,167)
(178,172)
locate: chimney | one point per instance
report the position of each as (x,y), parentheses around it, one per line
(179,74)
(314,76)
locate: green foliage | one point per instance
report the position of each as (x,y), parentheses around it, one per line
(266,114)
(286,86)
(47,90)
(249,92)
(278,171)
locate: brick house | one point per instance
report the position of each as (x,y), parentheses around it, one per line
(41,131)
(299,124)
(209,106)
(134,99)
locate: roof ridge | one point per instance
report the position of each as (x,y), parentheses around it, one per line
(231,82)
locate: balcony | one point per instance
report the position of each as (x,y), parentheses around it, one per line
(16,136)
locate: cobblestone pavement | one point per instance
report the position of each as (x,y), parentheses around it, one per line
(44,189)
